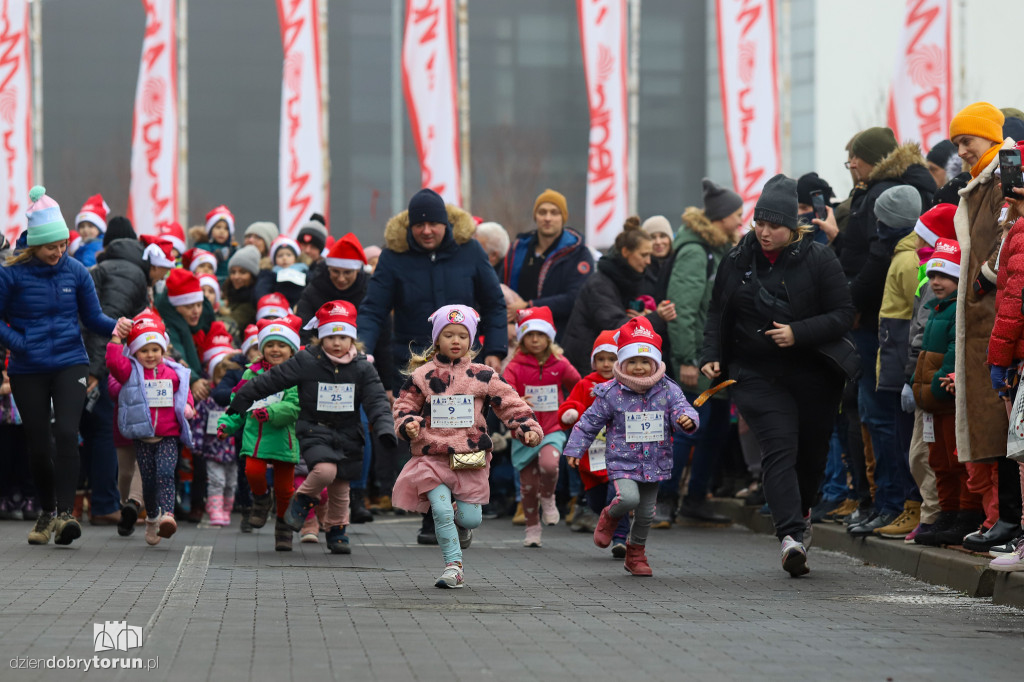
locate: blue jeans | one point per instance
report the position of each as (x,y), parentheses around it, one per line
(701,449)
(833,486)
(878,410)
(99,457)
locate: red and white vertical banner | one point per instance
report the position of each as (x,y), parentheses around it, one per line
(921,95)
(153,188)
(301,189)
(748,77)
(15,116)
(428,79)
(603,37)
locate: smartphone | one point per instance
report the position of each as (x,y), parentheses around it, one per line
(636,305)
(818,201)
(1010,175)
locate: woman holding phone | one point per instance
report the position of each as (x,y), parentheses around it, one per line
(779,312)
(611,296)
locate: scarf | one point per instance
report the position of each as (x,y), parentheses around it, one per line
(984,161)
(344,359)
(626,279)
(639,384)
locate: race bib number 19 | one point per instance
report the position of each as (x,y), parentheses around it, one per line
(645,427)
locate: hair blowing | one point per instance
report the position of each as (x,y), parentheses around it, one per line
(632,236)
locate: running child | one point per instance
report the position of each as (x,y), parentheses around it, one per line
(441,411)
(639,411)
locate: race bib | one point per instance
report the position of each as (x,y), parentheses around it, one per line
(451,411)
(645,427)
(292,275)
(928,422)
(211,420)
(336,397)
(159,393)
(596,453)
(543,398)
(268,401)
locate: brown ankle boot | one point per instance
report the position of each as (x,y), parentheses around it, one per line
(636,561)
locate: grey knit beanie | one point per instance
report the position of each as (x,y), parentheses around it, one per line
(899,207)
(778,203)
(247,257)
(264,230)
(719,202)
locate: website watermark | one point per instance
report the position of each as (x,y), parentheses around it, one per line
(107,636)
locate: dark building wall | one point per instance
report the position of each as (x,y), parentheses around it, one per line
(528,105)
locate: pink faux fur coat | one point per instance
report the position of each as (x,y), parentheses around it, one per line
(431,449)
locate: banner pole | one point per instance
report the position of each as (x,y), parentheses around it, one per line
(36,36)
(465,171)
(325,119)
(397,200)
(183,113)
(786,91)
(634,103)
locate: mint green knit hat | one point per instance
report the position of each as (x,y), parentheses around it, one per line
(45,222)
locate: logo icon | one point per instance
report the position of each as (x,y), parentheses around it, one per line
(456,316)
(643,349)
(116,636)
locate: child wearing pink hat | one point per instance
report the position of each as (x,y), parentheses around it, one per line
(441,410)
(639,410)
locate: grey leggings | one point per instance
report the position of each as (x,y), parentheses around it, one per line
(630,496)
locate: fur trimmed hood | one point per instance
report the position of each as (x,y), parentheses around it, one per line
(697,222)
(898,162)
(396,232)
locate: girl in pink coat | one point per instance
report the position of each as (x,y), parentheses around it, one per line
(541,374)
(442,412)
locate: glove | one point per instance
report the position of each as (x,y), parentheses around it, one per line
(907,399)
(222,432)
(261,415)
(570,417)
(998,375)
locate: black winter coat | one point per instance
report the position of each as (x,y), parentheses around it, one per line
(320,290)
(266,284)
(327,436)
(818,297)
(121,278)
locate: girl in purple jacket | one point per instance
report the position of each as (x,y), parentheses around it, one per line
(639,408)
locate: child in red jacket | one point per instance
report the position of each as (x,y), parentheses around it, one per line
(593,471)
(541,374)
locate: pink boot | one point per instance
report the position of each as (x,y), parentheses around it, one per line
(636,561)
(215,509)
(605,528)
(229,504)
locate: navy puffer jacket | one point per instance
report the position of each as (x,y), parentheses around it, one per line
(42,304)
(414,283)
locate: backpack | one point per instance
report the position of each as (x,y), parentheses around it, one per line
(666,269)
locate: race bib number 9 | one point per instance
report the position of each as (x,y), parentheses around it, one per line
(336,397)
(159,393)
(543,398)
(645,427)
(451,411)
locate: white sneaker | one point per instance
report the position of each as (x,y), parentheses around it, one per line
(451,577)
(549,515)
(1009,562)
(309,537)
(794,557)
(1005,548)
(152,528)
(532,536)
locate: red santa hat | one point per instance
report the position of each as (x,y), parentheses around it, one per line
(535,320)
(272,305)
(936,223)
(334,318)
(146,328)
(251,338)
(157,252)
(347,253)
(284,240)
(173,233)
(193,258)
(637,338)
(74,241)
(218,214)
(605,343)
(284,329)
(94,211)
(946,259)
(183,288)
(217,340)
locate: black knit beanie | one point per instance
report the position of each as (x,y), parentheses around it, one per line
(118,227)
(810,182)
(427,206)
(777,203)
(950,192)
(940,153)
(719,202)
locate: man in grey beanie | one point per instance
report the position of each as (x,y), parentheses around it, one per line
(260,235)
(719,202)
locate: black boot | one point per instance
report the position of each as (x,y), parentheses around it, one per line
(260,509)
(357,507)
(426,535)
(966,523)
(282,536)
(929,536)
(129,515)
(337,541)
(245,526)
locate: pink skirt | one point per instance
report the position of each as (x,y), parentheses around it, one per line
(423,473)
